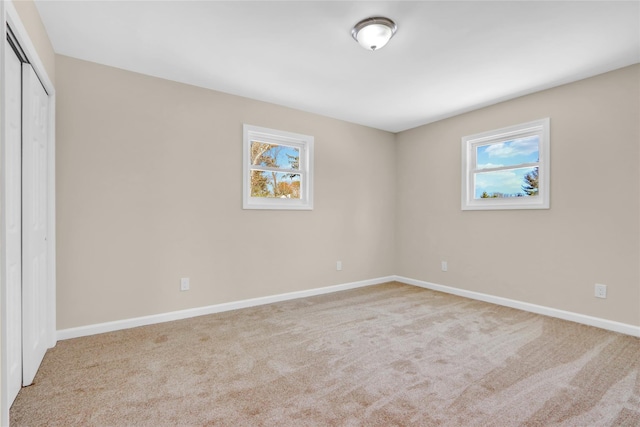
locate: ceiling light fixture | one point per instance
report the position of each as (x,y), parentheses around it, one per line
(374,33)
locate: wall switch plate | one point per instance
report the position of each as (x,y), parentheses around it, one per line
(444,265)
(338,265)
(184,284)
(601,291)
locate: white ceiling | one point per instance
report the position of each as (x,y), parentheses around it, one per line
(446,58)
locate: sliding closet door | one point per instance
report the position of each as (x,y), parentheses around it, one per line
(12,202)
(34,223)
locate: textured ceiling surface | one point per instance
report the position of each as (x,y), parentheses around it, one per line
(446,57)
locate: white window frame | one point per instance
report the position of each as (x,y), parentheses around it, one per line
(304,143)
(469,170)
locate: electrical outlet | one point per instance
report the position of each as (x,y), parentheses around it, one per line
(184,284)
(601,291)
(444,265)
(338,265)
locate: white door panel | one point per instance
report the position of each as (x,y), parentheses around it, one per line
(12,201)
(34,223)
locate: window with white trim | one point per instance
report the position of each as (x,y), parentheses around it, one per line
(507,168)
(277,169)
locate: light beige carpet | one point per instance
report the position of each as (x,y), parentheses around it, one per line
(383,355)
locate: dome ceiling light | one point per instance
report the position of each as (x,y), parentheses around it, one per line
(374,33)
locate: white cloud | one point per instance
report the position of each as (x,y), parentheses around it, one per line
(517,147)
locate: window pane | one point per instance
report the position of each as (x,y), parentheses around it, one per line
(275,185)
(274,156)
(520,182)
(508,153)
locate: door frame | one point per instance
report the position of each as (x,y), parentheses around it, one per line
(10,18)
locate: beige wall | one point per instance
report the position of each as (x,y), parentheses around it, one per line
(149,189)
(547,257)
(31,20)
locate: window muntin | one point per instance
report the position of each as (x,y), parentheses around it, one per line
(507,168)
(277,169)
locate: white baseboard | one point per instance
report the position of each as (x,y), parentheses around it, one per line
(610,325)
(100,328)
(81,331)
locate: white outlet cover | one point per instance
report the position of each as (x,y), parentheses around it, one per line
(184,284)
(601,291)
(444,266)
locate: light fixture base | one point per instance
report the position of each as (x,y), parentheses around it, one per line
(374,33)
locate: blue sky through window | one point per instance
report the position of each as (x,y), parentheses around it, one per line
(282,154)
(508,153)
(508,182)
(514,152)
(272,184)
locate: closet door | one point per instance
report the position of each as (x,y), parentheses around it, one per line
(35,116)
(12,201)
